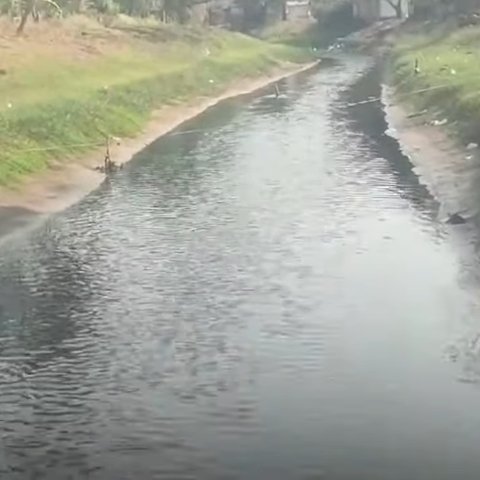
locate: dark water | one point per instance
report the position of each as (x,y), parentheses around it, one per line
(273,298)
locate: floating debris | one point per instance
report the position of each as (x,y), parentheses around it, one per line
(417,114)
(440,123)
(416,69)
(456,219)
(109,167)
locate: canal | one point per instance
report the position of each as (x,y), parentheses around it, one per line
(273,295)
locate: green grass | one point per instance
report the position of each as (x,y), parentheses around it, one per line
(304,34)
(62,104)
(449,59)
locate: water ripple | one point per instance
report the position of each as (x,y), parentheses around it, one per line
(227,305)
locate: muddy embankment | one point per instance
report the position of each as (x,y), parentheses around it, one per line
(449,169)
(430,97)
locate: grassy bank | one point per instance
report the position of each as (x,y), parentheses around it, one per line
(302,33)
(68,85)
(310,33)
(447,59)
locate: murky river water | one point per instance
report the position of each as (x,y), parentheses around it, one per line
(272,298)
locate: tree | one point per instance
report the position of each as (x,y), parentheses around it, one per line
(177,9)
(28,8)
(397,6)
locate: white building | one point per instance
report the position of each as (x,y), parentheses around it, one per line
(297,9)
(373,10)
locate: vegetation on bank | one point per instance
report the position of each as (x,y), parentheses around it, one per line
(448,66)
(309,33)
(301,33)
(66,87)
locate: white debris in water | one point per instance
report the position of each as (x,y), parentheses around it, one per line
(9,105)
(453,71)
(439,123)
(211,81)
(472,146)
(391,132)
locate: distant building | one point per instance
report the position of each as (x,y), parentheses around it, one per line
(374,10)
(387,11)
(297,9)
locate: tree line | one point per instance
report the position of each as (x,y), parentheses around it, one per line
(167,10)
(180,10)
